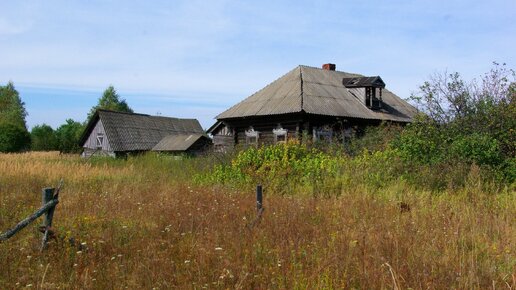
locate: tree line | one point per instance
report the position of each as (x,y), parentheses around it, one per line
(15,136)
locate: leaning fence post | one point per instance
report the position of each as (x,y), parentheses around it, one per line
(48,195)
(259,197)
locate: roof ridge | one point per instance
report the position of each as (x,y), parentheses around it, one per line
(144,115)
(121,112)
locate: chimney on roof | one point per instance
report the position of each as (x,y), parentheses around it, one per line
(328,66)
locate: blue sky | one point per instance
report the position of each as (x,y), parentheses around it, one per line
(197,58)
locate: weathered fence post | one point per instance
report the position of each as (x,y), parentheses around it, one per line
(18,227)
(259,207)
(259,197)
(48,195)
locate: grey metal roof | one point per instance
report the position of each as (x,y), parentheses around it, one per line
(177,142)
(317,91)
(139,132)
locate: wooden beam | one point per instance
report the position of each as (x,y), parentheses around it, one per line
(11,232)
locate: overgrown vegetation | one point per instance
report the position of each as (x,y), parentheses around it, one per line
(471,122)
(142,223)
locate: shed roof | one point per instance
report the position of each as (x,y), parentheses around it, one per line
(178,142)
(139,132)
(318,91)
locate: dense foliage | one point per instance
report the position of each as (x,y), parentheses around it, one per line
(471,122)
(12,109)
(68,136)
(276,167)
(43,138)
(14,136)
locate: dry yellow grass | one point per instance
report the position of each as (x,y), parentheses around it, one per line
(143,224)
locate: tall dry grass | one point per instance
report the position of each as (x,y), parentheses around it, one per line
(141,223)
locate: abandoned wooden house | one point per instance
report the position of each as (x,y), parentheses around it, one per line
(318,103)
(112,133)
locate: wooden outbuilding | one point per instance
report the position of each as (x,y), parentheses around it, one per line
(112,133)
(321,104)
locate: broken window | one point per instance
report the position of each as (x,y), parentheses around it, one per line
(373,97)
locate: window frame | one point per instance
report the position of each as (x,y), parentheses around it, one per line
(99,140)
(251,134)
(280,133)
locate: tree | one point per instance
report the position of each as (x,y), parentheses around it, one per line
(13,133)
(110,100)
(12,109)
(470,121)
(13,138)
(68,136)
(43,138)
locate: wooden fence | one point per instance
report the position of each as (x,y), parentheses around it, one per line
(50,198)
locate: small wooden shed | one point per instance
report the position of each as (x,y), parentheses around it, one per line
(111,133)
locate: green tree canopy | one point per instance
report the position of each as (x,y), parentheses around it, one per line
(110,100)
(12,109)
(13,130)
(68,136)
(43,138)
(13,138)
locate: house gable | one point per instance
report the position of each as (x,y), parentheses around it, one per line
(98,139)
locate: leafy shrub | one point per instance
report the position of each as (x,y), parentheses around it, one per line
(480,149)
(375,138)
(282,168)
(421,142)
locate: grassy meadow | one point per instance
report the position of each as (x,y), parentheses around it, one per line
(154,222)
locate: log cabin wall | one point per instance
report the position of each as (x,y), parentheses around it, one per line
(297,126)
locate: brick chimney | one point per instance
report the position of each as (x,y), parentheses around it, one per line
(328,66)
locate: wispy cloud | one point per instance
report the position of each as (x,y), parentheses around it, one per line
(201,54)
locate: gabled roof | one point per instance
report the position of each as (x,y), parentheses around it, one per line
(178,142)
(138,132)
(317,91)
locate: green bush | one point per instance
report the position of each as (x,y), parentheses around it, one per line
(284,168)
(480,149)
(421,142)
